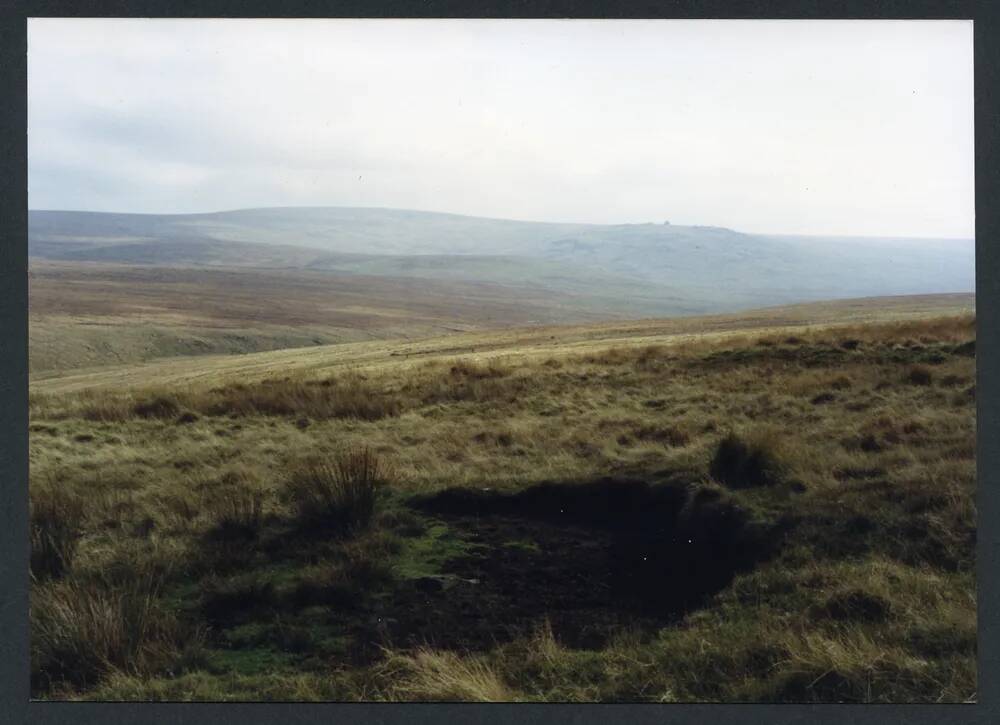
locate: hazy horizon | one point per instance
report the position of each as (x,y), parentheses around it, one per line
(809,128)
(508,219)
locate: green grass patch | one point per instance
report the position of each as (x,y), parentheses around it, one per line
(425,555)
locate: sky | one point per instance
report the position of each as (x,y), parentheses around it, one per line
(797,127)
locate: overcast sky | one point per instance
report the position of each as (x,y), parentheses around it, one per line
(825,127)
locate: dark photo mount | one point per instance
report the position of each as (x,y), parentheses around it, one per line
(655,515)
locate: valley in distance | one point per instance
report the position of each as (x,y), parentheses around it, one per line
(357,454)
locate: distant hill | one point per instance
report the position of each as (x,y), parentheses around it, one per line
(642,269)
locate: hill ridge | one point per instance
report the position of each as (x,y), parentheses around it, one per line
(674,269)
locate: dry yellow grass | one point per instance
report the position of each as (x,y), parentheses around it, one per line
(512,344)
(872,597)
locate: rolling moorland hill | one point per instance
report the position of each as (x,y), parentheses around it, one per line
(660,269)
(89,314)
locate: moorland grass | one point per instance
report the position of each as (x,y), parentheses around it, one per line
(870,596)
(56,524)
(338,495)
(81,630)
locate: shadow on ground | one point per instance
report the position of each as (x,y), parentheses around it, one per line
(591,558)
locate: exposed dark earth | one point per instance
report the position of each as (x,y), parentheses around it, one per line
(592,559)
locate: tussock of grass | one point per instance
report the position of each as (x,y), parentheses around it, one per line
(338,495)
(82,630)
(236,512)
(844,668)
(106,410)
(56,522)
(441,676)
(919,375)
(748,461)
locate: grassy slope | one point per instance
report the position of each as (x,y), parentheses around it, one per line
(84,315)
(871,596)
(537,341)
